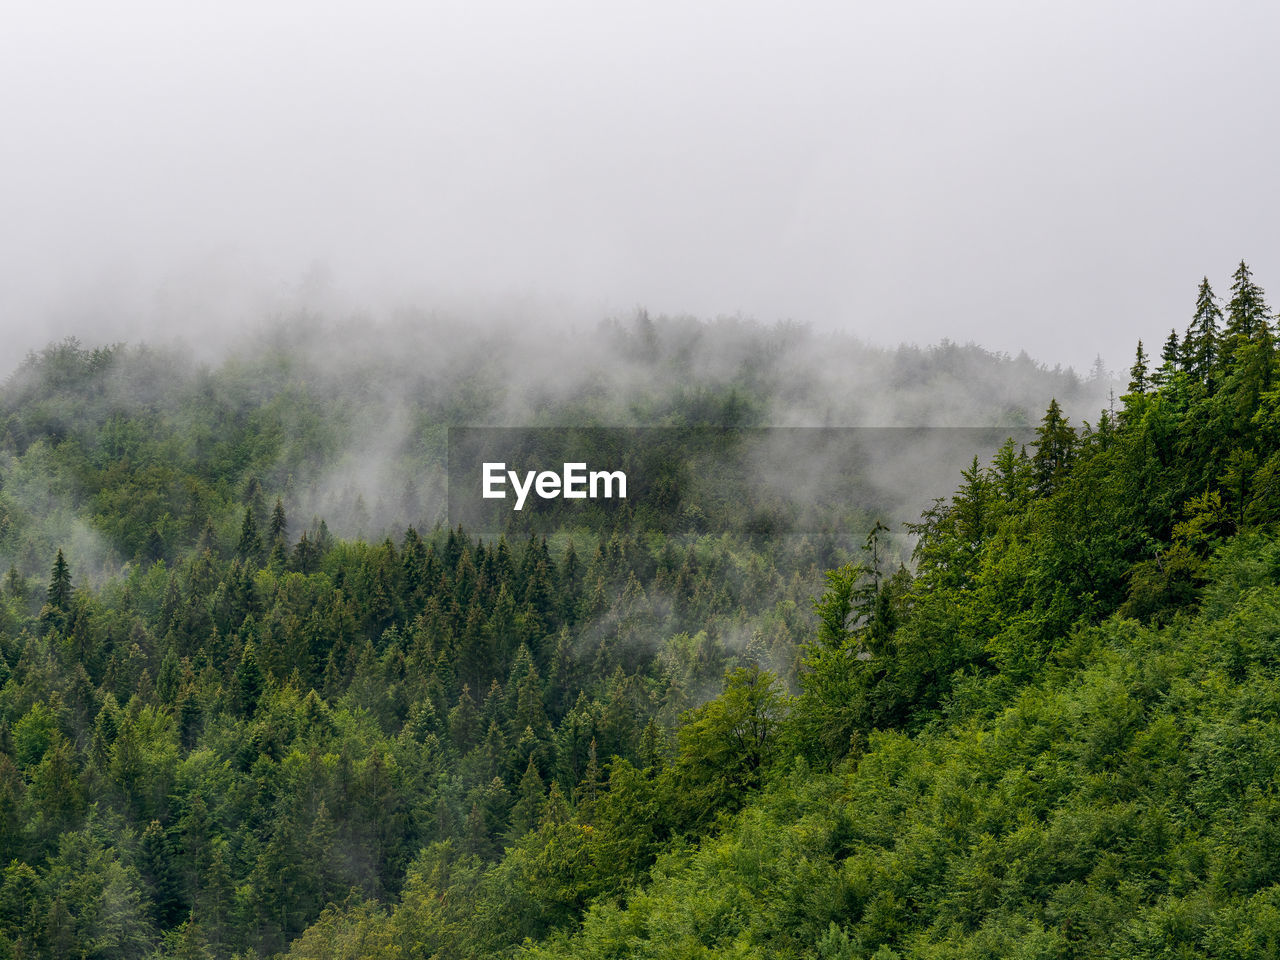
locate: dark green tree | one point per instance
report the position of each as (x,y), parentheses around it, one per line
(57,609)
(1248,317)
(1138,372)
(248,681)
(1055,445)
(249,548)
(529,800)
(1170,361)
(155,863)
(279,527)
(1201,345)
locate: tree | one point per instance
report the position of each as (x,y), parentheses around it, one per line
(250,546)
(727,744)
(1138,372)
(1055,447)
(1248,318)
(1170,360)
(1200,346)
(248,682)
(59,593)
(835,607)
(530,796)
(155,863)
(279,527)
(58,597)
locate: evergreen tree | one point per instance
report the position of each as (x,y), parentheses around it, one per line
(1170,361)
(58,595)
(57,609)
(1055,446)
(249,548)
(14,585)
(248,681)
(528,805)
(1138,372)
(155,863)
(1200,346)
(279,527)
(587,792)
(1248,318)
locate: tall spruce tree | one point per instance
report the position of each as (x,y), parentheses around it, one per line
(57,609)
(279,527)
(1170,360)
(1055,447)
(1200,346)
(1248,318)
(250,545)
(59,593)
(1138,372)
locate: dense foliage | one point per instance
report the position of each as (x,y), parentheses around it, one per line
(1052,736)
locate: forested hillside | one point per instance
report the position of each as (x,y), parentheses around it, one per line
(226,729)
(1056,737)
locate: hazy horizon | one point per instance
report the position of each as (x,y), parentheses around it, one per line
(1054,180)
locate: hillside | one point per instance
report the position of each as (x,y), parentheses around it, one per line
(229,730)
(1057,738)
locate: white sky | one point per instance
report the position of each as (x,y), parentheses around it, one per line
(1048,176)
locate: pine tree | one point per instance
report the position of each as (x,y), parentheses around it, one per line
(168,681)
(59,592)
(1055,446)
(652,746)
(254,499)
(57,609)
(1098,372)
(464,722)
(279,527)
(1248,318)
(250,546)
(1012,469)
(588,789)
(156,866)
(1200,346)
(1170,361)
(532,791)
(13,584)
(1138,372)
(248,681)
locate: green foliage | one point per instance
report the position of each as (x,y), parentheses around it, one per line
(1054,735)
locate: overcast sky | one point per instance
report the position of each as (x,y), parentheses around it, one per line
(1048,176)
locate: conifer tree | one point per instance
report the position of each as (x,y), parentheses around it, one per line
(156,866)
(59,592)
(248,681)
(13,584)
(1170,361)
(1138,372)
(254,499)
(250,545)
(1248,319)
(464,721)
(279,523)
(1012,472)
(57,608)
(531,793)
(1055,445)
(588,789)
(1200,346)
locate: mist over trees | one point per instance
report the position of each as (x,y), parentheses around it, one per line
(347,421)
(256,701)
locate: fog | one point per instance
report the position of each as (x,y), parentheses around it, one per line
(355,413)
(1054,178)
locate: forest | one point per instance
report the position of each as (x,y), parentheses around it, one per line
(258,698)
